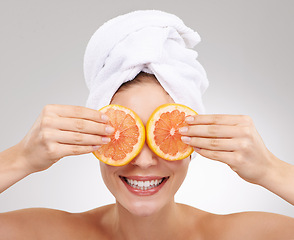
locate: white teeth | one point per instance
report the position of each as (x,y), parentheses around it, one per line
(144,185)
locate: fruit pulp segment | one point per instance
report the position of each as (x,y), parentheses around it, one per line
(124,138)
(166,132)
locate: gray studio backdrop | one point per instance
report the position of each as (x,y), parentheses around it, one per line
(246,48)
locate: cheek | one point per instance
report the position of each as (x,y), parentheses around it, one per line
(103,169)
(179,169)
(107,173)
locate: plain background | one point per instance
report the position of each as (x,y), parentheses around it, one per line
(246,49)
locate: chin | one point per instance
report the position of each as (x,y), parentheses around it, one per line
(143,208)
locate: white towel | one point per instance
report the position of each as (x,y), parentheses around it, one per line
(151,41)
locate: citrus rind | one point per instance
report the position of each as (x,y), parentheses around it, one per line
(136,147)
(150,128)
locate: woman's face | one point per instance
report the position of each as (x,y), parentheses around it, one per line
(144,98)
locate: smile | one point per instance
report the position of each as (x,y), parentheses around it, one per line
(144,185)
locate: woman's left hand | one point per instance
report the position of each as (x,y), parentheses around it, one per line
(234,140)
(231,139)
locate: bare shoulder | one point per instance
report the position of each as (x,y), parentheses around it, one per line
(238,226)
(251,225)
(42,223)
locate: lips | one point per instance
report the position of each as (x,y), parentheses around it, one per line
(144,185)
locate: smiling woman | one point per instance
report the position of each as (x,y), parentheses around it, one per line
(160,45)
(146,166)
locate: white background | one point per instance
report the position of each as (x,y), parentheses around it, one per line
(246,49)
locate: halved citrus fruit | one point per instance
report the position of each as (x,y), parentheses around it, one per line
(126,141)
(162,131)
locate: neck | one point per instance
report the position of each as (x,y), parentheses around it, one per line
(161,225)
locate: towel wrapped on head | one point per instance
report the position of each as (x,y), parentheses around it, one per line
(150,41)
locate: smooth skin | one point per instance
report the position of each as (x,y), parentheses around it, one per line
(68,130)
(59,131)
(234,141)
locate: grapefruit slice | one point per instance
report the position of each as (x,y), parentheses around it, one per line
(162,130)
(126,141)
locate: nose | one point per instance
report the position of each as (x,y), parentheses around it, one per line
(145,159)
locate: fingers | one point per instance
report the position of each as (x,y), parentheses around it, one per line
(63,130)
(225,157)
(77,125)
(220,137)
(219,119)
(68,111)
(55,151)
(72,130)
(212,143)
(71,150)
(213,131)
(219,126)
(67,137)
(74,125)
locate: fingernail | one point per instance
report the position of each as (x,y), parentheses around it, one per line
(186,139)
(96,147)
(189,119)
(104,117)
(109,129)
(105,140)
(183,130)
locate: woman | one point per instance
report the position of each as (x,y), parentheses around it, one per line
(71,130)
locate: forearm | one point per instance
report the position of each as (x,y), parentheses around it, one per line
(12,169)
(280,180)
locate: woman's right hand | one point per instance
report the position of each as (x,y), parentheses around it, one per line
(62,130)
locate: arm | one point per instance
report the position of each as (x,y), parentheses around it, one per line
(12,168)
(59,131)
(280,180)
(233,140)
